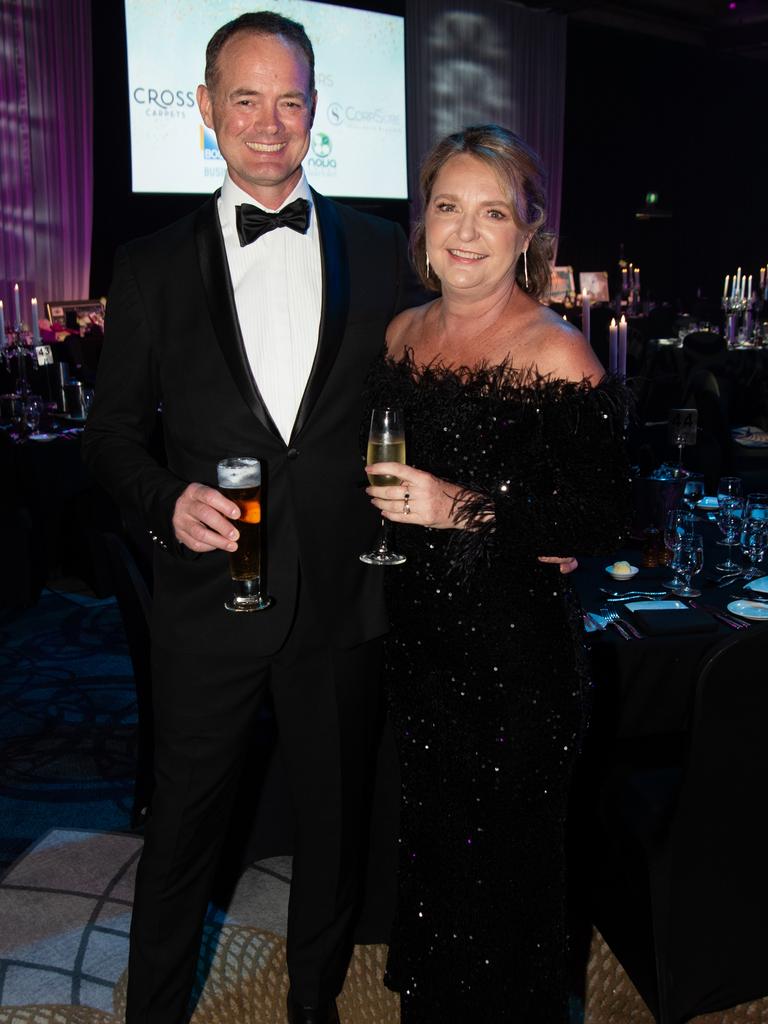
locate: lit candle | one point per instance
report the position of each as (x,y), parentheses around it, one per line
(613,337)
(749,288)
(624,286)
(621,361)
(743,286)
(725,286)
(16,304)
(585,314)
(738,282)
(2,323)
(637,278)
(35,322)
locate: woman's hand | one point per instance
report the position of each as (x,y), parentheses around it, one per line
(420,499)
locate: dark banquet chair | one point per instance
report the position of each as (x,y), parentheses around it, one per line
(679,886)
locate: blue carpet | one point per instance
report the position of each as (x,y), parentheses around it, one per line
(67,720)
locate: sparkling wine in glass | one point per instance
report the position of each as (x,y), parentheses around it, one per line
(691,561)
(386,443)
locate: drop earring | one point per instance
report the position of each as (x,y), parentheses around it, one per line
(525,267)
(429,268)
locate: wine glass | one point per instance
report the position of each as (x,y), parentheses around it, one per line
(386,443)
(693,491)
(691,558)
(33,408)
(728,487)
(679,522)
(759,501)
(729,515)
(754,541)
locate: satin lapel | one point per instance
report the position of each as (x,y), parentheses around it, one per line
(333,318)
(221,305)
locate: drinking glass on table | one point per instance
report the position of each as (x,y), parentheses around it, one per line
(386,443)
(693,491)
(679,522)
(754,535)
(691,557)
(728,487)
(240,480)
(757,500)
(729,516)
(33,410)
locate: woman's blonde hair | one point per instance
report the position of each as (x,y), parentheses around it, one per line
(519,170)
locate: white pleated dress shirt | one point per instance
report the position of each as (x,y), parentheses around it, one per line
(278,286)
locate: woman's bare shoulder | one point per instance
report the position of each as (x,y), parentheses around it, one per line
(405,328)
(562,351)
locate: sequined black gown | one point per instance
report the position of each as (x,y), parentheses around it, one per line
(488,692)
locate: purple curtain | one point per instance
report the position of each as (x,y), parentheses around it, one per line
(46,164)
(486,61)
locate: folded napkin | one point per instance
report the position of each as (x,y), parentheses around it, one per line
(665,621)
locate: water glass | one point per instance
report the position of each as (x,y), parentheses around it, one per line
(754,538)
(679,522)
(33,409)
(691,558)
(693,492)
(728,487)
(729,516)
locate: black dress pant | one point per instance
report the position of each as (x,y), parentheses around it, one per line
(327,709)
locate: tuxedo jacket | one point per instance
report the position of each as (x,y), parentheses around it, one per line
(173,343)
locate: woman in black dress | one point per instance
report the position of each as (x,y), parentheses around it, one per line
(515,447)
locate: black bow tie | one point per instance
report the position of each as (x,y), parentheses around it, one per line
(252,221)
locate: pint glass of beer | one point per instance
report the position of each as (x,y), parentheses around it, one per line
(240,480)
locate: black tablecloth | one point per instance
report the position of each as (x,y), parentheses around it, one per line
(645,687)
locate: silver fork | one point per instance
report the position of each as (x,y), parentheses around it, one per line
(622,628)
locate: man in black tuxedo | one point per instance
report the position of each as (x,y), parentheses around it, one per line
(254,334)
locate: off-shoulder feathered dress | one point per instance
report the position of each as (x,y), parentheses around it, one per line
(487,683)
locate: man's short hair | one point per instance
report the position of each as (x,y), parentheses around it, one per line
(263,23)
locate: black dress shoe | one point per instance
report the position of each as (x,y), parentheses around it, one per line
(325,1013)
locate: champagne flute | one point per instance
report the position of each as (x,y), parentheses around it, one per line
(386,443)
(691,559)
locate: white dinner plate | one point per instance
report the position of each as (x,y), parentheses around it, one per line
(42,437)
(654,606)
(709,502)
(760,585)
(756,610)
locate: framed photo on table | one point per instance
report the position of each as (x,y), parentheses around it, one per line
(561,284)
(74,313)
(595,284)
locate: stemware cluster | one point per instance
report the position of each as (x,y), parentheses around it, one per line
(743,522)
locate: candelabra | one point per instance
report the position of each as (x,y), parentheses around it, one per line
(17,347)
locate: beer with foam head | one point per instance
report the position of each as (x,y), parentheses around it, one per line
(240,480)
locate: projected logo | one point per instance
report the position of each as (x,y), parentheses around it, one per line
(208,145)
(321,145)
(357,117)
(321,159)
